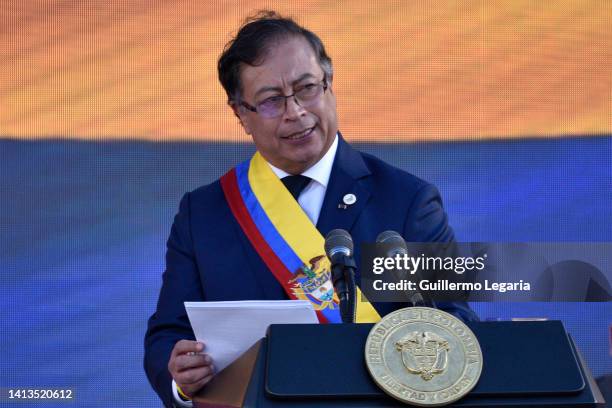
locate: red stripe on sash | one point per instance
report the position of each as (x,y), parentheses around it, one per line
(229,184)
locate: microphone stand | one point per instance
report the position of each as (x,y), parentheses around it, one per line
(343,277)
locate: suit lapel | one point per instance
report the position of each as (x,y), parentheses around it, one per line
(348,172)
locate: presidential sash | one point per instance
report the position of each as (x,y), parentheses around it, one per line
(286,239)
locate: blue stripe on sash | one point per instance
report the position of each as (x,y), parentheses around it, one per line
(278,244)
(269,232)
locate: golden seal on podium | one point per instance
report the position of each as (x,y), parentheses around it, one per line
(423,356)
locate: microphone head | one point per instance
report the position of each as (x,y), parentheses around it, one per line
(394,242)
(338,241)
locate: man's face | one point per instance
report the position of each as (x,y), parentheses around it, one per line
(286,141)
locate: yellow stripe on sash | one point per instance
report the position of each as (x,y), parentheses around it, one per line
(294,225)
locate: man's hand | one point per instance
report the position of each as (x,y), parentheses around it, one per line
(191,371)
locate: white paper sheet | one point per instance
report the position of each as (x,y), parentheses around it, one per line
(228,329)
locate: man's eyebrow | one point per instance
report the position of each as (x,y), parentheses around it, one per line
(278,89)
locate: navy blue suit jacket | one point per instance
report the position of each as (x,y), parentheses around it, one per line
(209,258)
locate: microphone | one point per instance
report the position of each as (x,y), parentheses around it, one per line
(393,244)
(339,249)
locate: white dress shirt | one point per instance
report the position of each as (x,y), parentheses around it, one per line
(311,198)
(178,401)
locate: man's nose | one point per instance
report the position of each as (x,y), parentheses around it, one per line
(293,110)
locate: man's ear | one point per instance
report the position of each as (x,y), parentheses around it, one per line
(330,82)
(240,113)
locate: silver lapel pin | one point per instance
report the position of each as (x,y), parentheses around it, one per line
(348,199)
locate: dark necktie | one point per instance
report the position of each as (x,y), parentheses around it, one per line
(296,184)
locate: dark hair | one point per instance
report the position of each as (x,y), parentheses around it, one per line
(252,43)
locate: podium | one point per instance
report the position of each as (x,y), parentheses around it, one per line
(524,364)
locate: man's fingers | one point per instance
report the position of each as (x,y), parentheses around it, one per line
(191,389)
(186,361)
(193,375)
(187,346)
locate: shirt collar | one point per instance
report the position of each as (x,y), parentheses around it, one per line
(320,171)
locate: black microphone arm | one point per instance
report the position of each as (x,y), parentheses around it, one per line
(339,249)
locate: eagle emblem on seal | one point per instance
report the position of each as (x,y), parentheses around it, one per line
(423,353)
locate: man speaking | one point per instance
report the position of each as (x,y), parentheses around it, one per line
(257,233)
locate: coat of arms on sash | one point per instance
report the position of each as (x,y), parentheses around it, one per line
(313,283)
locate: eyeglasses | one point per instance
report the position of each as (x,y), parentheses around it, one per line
(276,106)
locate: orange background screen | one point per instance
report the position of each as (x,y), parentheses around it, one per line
(404,71)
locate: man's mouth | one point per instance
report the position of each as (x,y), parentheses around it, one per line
(300,135)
